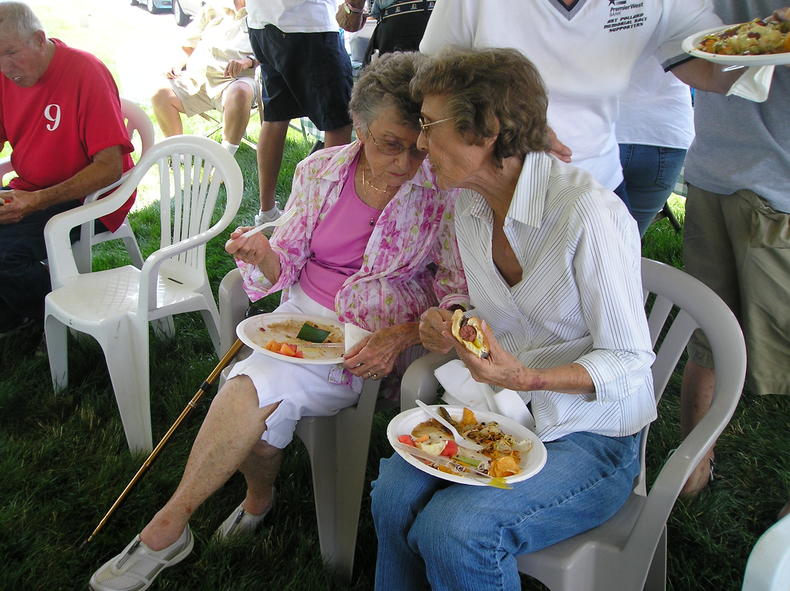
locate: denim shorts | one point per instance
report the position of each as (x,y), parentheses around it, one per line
(304,74)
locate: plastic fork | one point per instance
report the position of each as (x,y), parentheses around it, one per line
(459,439)
(273,224)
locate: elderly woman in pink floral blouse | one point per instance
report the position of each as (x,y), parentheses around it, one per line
(372,244)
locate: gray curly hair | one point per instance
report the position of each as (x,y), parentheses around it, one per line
(385,83)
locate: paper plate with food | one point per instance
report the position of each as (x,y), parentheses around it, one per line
(511,452)
(294,337)
(756,43)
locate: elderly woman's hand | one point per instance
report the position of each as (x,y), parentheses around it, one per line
(500,368)
(253,250)
(434,322)
(375,355)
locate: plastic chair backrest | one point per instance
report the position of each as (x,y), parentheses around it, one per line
(191,169)
(137,121)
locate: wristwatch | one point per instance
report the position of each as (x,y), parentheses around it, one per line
(350,9)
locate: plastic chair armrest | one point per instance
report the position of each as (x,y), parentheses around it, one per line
(418,382)
(58,228)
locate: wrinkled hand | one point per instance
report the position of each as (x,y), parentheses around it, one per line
(780,14)
(251,250)
(557,148)
(235,67)
(375,355)
(16,206)
(500,368)
(434,322)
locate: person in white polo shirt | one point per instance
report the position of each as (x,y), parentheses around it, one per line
(585,50)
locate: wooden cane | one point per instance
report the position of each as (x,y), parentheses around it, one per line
(223,363)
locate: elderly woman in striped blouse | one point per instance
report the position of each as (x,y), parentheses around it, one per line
(552,261)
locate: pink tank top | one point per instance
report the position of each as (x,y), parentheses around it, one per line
(338,244)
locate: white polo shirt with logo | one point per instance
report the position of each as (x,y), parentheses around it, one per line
(585,55)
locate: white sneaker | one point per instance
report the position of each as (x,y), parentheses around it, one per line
(262,217)
(241,522)
(137,566)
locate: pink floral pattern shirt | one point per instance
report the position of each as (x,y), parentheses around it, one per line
(394,284)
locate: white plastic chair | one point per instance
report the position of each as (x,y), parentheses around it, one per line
(114,306)
(628,552)
(337,445)
(768,567)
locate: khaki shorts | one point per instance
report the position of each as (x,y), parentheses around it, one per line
(740,247)
(200,102)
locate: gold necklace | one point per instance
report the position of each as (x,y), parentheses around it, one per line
(371,185)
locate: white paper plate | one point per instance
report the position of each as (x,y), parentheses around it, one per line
(531,462)
(691,42)
(249,332)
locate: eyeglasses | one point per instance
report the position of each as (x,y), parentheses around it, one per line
(424,126)
(393,148)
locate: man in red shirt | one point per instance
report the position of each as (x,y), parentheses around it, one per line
(61,113)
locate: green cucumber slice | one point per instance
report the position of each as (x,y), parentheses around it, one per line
(312,333)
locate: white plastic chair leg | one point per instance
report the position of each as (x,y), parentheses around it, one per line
(657,575)
(56,336)
(127,363)
(211,318)
(338,448)
(131,245)
(164,328)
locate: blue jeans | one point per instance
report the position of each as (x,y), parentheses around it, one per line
(650,174)
(24,280)
(458,537)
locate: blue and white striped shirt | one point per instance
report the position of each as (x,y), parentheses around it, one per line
(579,299)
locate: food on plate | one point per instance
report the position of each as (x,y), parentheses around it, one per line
(469,332)
(311,332)
(757,37)
(499,458)
(287,349)
(299,339)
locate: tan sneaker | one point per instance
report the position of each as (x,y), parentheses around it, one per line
(137,566)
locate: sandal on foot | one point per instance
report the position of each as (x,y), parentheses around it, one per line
(137,566)
(702,482)
(240,521)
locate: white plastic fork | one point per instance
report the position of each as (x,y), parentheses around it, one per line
(278,222)
(459,439)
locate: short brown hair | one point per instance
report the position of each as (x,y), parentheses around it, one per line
(490,92)
(385,83)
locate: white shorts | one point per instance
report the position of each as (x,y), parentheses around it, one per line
(301,390)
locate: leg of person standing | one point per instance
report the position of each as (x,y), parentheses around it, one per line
(738,246)
(650,174)
(303,74)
